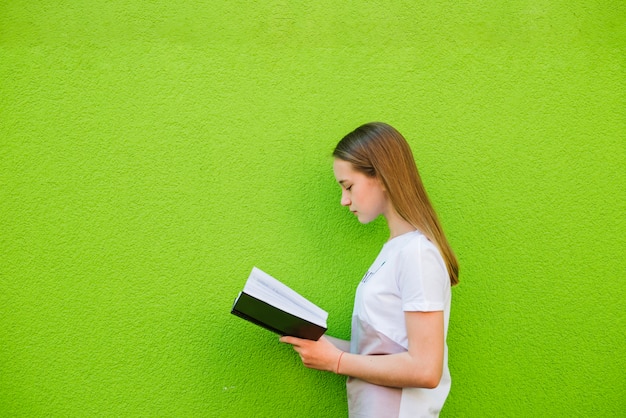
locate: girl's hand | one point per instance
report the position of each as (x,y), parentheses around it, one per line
(320,355)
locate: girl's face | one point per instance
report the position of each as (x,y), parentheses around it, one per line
(365,196)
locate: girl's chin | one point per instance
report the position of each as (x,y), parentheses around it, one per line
(363,219)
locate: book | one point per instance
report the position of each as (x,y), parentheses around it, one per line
(267,302)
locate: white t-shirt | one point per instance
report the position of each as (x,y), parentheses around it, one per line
(409,274)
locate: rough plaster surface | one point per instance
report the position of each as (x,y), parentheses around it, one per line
(151,155)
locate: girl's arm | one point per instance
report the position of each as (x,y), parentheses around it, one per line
(420,366)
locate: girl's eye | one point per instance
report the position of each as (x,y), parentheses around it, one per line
(349,187)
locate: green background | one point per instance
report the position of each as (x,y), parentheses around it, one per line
(153,152)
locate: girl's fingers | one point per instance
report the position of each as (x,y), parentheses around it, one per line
(290,340)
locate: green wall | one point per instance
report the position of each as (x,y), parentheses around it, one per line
(153,152)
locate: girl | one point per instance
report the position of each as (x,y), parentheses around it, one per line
(397,358)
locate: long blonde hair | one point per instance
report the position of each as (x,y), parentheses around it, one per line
(379,150)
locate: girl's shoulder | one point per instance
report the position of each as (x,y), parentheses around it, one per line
(411,241)
(415,245)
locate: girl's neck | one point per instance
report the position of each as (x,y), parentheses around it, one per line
(398,225)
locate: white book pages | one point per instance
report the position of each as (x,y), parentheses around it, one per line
(266,288)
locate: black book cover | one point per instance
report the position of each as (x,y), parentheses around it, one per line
(274,319)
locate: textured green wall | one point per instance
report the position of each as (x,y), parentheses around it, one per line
(152,153)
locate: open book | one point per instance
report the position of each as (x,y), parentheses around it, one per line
(275,306)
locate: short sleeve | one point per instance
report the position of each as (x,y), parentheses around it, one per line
(423,279)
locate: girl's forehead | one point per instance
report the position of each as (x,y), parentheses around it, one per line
(342,166)
(342,169)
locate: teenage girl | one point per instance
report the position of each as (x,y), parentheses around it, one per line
(397,358)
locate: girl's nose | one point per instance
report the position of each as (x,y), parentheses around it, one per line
(345,200)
